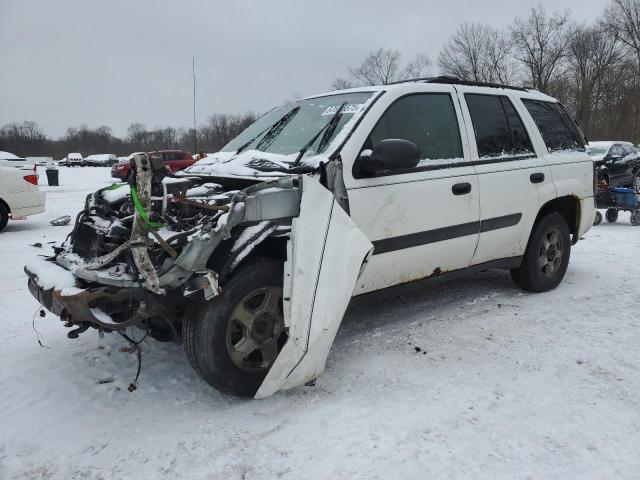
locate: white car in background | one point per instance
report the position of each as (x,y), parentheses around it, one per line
(8,159)
(19,194)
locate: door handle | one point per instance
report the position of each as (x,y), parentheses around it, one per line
(537,177)
(461,188)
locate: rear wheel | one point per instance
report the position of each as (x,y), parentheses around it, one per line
(4,217)
(612,215)
(547,257)
(233,340)
(635,217)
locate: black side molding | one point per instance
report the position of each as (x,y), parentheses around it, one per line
(445,233)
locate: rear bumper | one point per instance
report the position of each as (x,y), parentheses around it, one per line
(34,202)
(119,174)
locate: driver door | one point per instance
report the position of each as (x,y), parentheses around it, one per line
(422,221)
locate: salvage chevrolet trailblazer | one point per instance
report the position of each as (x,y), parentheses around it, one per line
(250,257)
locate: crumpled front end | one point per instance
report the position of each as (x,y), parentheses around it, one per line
(139,252)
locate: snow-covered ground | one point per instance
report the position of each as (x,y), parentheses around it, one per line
(472,379)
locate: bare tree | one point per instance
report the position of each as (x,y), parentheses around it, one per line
(595,63)
(342,84)
(541,41)
(479,53)
(382,67)
(623,20)
(417,68)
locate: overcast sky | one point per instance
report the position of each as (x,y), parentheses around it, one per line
(115,62)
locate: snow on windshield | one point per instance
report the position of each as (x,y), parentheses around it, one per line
(274,157)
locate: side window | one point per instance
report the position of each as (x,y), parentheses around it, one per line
(498,128)
(429,120)
(616,151)
(557,128)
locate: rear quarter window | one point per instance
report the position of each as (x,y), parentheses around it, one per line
(557,128)
(498,129)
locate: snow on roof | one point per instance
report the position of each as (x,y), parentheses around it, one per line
(608,143)
(101,156)
(8,156)
(74,155)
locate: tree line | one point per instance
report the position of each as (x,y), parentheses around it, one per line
(28,138)
(593,69)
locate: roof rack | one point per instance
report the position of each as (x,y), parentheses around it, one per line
(458,81)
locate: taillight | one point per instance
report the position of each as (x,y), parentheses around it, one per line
(32,179)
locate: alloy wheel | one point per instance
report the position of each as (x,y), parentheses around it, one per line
(255,331)
(551,253)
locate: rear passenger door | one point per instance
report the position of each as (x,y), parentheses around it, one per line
(514,180)
(422,221)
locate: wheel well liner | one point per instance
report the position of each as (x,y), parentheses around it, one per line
(567,206)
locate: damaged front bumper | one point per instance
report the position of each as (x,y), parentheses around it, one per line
(146,283)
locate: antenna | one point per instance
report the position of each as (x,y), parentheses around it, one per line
(195,132)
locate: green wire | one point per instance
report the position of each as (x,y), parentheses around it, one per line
(141,211)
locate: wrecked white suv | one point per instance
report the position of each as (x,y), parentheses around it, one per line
(250,257)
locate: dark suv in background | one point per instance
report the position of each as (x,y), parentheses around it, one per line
(174,159)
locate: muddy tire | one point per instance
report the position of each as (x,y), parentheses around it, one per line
(547,257)
(4,217)
(233,339)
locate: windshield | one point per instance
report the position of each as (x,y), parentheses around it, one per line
(598,150)
(302,120)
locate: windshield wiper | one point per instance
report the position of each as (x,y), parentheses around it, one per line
(328,130)
(271,132)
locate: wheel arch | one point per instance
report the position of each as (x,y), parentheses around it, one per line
(225,264)
(569,207)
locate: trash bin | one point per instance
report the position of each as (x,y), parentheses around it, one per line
(52,177)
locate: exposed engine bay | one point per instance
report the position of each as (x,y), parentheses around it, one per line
(139,252)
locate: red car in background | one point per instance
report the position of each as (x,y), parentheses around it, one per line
(174,159)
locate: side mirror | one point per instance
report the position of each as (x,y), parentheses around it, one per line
(391,154)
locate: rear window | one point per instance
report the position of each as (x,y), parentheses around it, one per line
(172,156)
(498,128)
(557,128)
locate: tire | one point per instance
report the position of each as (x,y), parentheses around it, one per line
(598,219)
(635,217)
(636,182)
(233,339)
(547,257)
(612,215)
(4,217)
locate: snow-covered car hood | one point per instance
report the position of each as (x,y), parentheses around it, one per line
(250,164)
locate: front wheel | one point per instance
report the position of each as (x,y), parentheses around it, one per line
(233,340)
(547,257)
